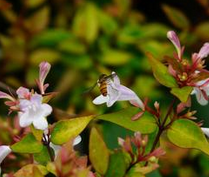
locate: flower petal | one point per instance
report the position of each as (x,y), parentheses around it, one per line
(40,123)
(47,109)
(23,92)
(113,94)
(25,119)
(77,140)
(205,131)
(101,99)
(56,148)
(4,151)
(204,51)
(36,98)
(200,98)
(116,79)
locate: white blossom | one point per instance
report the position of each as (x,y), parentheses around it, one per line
(33,111)
(4,151)
(118,92)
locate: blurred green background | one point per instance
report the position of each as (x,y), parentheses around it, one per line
(83,39)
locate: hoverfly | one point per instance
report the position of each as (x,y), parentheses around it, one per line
(102,82)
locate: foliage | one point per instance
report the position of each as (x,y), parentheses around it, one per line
(82,39)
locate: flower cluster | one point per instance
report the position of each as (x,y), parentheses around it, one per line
(29,104)
(190,73)
(136,147)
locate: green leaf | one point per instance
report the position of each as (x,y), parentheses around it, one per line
(161,73)
(117,165)
(38,134)
(27,144)
(182,93)
(43,157)
(115,57)
(64,130)
(48,55)
(187,134)
(32,170)
(146,123)
(85,24)
(38,21)
(72,46)
(33,3)
(176,17)
(50,37)
(202,30)
(107,23)
(98,152)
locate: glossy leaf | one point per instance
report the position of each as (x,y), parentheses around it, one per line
(115,57)
(50,37)
(31,170)
(202,30)
(146,123)
(182,93)
(48,55)
(27,144)
(33,3)
(117,165)
(85,23)
(72,46)
(39,20)
(187,134)
(176,17)
(107,23)
(64,130)
(38,134)
(98,152)
(42,157)
(160,71)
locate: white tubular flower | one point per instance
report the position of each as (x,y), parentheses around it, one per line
(56,148)
(204,51)
(205,131)
(118,92)
(202,92)
(4,151)
(33,111)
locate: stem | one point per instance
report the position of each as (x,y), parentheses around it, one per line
(46,142)
(162,126)
(50,153)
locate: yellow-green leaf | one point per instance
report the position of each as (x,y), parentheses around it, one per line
(39,20)
(202,30)
(64,130)
(31,170)
(160,71)
(115,57)
(86,23)
(45,54)
(98,152)
(117,165)
(187,134)
(182,93)
(27,144)
(176,17)
(38,134)
(145,124)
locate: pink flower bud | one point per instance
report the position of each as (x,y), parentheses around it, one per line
(44,68)
(175,40)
